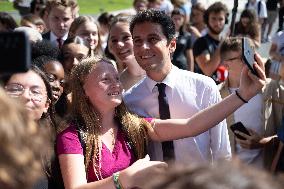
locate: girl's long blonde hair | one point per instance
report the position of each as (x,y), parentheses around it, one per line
(89,119)
(78,22)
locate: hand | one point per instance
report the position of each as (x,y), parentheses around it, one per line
(194,30)
(250,84)
(252,141)
(140,172)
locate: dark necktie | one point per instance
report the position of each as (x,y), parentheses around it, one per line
(167,146)
(60,42)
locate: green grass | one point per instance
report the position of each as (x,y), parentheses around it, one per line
(86,6)
(6,6)
(98,6)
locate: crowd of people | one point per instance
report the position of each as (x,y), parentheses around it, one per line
(117,100)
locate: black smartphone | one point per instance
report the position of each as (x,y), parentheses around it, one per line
(15,52)
(239,127)
(248,54)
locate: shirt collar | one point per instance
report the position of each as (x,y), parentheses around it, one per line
(169,79)
(53,37)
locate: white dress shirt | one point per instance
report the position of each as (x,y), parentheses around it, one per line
(254,6)
(187,94)
(53,39)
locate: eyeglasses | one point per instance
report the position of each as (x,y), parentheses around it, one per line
(232,59)
(16,90)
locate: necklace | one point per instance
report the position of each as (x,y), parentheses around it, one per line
(98,156)
(112,137)
(98,163)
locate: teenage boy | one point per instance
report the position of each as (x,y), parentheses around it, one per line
(262,115)
(60,15)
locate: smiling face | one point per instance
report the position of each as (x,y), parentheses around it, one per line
(152,49)
(33,84)
(120,42)
(72,54)
(55,74)
(89,32)
(103,88)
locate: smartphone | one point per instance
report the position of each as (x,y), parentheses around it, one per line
(248,54)
(15,52)
(239,127)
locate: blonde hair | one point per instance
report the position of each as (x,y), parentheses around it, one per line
(89,119)
(20,146)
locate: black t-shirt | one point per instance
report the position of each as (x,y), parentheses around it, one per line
(271,5)
(204,45)
(183,44)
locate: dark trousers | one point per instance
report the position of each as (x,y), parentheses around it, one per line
(280,18)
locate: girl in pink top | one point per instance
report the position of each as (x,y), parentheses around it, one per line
(116,140)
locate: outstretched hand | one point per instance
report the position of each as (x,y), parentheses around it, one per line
(143,170)
(250,84)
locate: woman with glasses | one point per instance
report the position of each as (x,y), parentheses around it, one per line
(33,89)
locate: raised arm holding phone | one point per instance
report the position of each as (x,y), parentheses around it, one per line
(108,126)
(255,123)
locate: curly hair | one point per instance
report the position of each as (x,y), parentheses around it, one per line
(20,147)
(156,17)
(133,127)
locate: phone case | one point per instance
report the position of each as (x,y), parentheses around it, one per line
(239,127)
(248,54)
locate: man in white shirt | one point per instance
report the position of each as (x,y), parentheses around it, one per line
(153,34)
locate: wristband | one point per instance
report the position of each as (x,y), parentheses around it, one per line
(242,99)
(116,181)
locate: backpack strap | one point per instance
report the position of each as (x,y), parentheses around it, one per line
(81,136)
(247,4)
(258,7)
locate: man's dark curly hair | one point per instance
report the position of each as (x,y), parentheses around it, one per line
(156,17)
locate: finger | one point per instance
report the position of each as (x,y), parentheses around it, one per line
(243,135)
(252,132)
(242,143)
(259,60)
(146,158)
(159,164)
(259,66)
(260,71)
